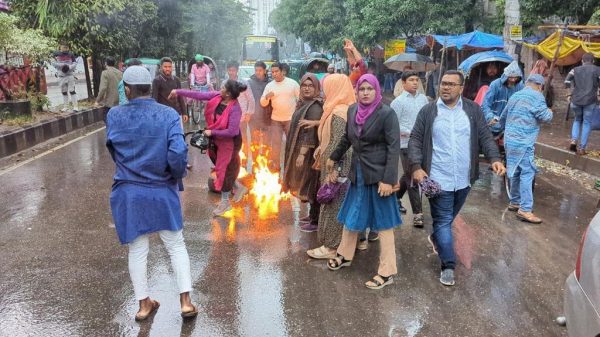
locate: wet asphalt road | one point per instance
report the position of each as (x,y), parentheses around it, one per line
(63,272)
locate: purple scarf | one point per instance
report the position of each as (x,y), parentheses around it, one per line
(365,111)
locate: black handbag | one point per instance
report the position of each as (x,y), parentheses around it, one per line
(199,140)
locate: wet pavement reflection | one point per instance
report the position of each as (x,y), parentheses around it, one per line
(63,272)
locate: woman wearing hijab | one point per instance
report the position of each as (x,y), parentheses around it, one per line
(223,114)
(299,178)
(339,95)
(373,132)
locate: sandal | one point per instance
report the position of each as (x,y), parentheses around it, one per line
(378,282)
(190,314)
(338,262)
(155,306)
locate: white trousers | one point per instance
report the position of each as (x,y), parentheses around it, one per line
(138,261)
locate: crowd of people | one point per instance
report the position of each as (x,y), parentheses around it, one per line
(343,153)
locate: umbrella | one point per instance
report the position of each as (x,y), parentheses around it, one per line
(483,57)
(415,61)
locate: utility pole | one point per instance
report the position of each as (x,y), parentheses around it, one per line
(512,17)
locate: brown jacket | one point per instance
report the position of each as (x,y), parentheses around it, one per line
(108,95)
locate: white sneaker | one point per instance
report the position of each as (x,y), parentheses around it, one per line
(222,208)
(65,109)
(240,193)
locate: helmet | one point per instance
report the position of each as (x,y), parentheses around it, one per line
(199,58)
(200,141)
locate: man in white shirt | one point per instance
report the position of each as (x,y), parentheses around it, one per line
(282,94)
(407,106)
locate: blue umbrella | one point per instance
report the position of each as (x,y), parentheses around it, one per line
(483,57)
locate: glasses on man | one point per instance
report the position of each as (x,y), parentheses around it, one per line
(450,84)
(366,90)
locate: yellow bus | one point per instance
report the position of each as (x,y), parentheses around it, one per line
(260,48)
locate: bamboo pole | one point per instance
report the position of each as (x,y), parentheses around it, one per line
(442,63)
(554,59)
(571,27)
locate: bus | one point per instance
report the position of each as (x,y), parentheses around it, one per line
(260,48)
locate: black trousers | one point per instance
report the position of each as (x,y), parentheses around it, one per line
(405,185)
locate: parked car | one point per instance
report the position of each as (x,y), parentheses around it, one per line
(582,288)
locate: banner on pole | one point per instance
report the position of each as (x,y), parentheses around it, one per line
(516,33)
(393,47)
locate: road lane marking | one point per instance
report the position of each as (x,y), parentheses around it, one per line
(52,150)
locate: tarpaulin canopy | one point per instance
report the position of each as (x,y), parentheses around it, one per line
(483,57)
(473,40)
(572,49)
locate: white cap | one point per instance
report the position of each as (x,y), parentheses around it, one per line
(137,75)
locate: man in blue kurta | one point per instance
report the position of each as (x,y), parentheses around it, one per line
(145,140)
(521,123)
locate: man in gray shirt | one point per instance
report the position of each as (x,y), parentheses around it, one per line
(584,80)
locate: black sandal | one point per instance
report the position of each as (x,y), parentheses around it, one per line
(338,262)
(377,284)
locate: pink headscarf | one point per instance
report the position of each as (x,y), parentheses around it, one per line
(365,111)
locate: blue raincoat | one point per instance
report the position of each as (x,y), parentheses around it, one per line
(497,96)
(521,123)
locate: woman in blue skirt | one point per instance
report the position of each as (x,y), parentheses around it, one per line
(373,133)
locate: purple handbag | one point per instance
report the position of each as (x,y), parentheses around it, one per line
(430,188)
(328,192)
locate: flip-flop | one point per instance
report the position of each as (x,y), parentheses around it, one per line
(190,314)
(155,306)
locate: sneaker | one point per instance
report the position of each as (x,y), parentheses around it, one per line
(513,208)
(581,152)
(188,166)
(309,227)
(362,244)
(240,193)
(321,253)
(373,236)
(418,221)
(222,208)
(65,109)
(75,108)
(447,277)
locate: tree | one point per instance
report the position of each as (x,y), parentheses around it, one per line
(134,28)
(574,11)
(325,23)
(27,42)
(319,22)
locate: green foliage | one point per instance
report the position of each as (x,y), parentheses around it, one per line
(39,101)
(324,23)
(132,28)
(575,11)
(27,42)
(320,22)
(595,19)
